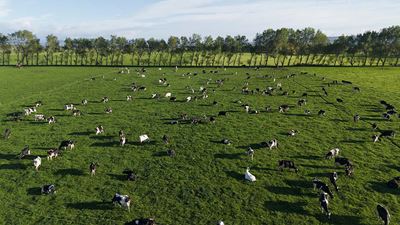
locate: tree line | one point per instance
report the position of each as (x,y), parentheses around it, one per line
(280,47)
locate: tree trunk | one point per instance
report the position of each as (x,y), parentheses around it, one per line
(266,59)
(290,59)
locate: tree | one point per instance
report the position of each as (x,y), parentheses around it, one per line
(173,43)
(5,47)
(24,43)
(52,46)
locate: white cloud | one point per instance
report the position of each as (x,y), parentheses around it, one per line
(4,10)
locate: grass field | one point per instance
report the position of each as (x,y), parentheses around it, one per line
(205,182)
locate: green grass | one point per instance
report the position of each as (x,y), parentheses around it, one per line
(204,182)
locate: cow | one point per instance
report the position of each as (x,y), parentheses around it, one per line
(122,200)
(349,169)
(287,164)
(37,162)
(283,108)
(388,133)
(356,118)
(52,153)
(69,107)
(144,138)
(307,112)
(302,102)
(84,102)
(7,133)
(128,98)
(108,110)
(383,214)
(51,119)
(40,117)
(321,112)
(92,168)
(99,130)
(292,132)
(317,184)
(67,144)
(332,153)
(341,161)
(356,89)
(250,152)
(272,144)
(168,95)
(48,189)
(38,104)
(131,176)
(148,221)
(222,113)
(105,99)
(122,140)
(24,152)
(171,152)
(375,138)
(172,99)
(226,141)
(333,177)
(248,176)
(76,112)
(323,199)
(165,139)
(374,126)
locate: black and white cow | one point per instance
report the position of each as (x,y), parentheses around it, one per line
(165,139)
(108,110)
(287,164)
(388,133)
(51,119)
(349,169)
(67,144)
(52,153)
(321,112)
(69,107)
(122,200)
(122,140)
(272,144)
(323,200)
(250,152)
(383,214)
(48,189)
(283,108)
(171,152)
(37,162)
(317,184)
(76,112)
(341,161)
(84,102)
(39,117)
(356,118)
(128,98)
(105,99)
(99,130)
(333,177)
(302,102)
(332,153)
(7,133)
(226,141)
(25,152)
(222,113)
(148,221)
(92,168)
(130,175)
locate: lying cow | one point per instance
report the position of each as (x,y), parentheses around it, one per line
(122,200)
(69,107)
(26,151)
(48,189)
(40,117)
(287,164)
(67,144)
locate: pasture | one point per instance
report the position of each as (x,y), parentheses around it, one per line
(204,182)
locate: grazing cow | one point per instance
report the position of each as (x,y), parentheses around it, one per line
(122,140)
(317,184)
(37,162)
(226,141)
(69,107)
(168,95)
(121,133)
(332,153)
(323,200)
(108,110)
(212,119)
(394,183)
(302,102)
(222,113)
(48,189)
(171,152)
(356,118)
(292,132)
(92,168)
(321,112)
(248,176)
(287,164)
(144,138)
(333,177)
(349,169)
(383,214)
(283,108)
(40,117)
(339,100)
(76,112)
(250,152)
(165,139)
(67,144)
(51,120)
(24,152)
(38,104)
(131,176)
(52,153)
(105,99)
(148,221)
(246,108)
(374,126)
(122,200)
(7,133)
(128,98)
(272,144)
(386,116)
(189,98)
(99,130)
(172,99)
(341,161)
(375,138)
(307,112)
(84,102)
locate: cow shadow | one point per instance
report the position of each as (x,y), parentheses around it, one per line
(7,156)
(254,146)
(382,187)
(105,144)
(286,207)
(102,137)
(228,155)
(296,191)
(299,183)
(120,177)
(160,154)
(96,113)
(353,141)
(138,143)
(69,171)
(318,166)
(13,166)
(82,133)
(34,191)
(235,175)
(308,157)
(91,205)
(56,110)
(338,219)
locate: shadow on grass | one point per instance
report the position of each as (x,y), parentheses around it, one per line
(91,205)
(70,171)
(228,155)
(96,113)
(299,183)
(235,175)
(13,166)
(319,166)
(286,207)
(338,219)
(394,167)
(7,156)
(308,157)
(357,129)
(382,188)
(138,143)
(160,154)
(297,114)
(57,110)
(339,120)
(34,191)
(254,146)
(101,137)
(296,191)
(82,133)
(353,141)
(106,144)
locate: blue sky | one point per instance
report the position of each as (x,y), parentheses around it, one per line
(162,18)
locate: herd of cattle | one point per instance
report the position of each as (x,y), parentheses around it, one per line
(203,93)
